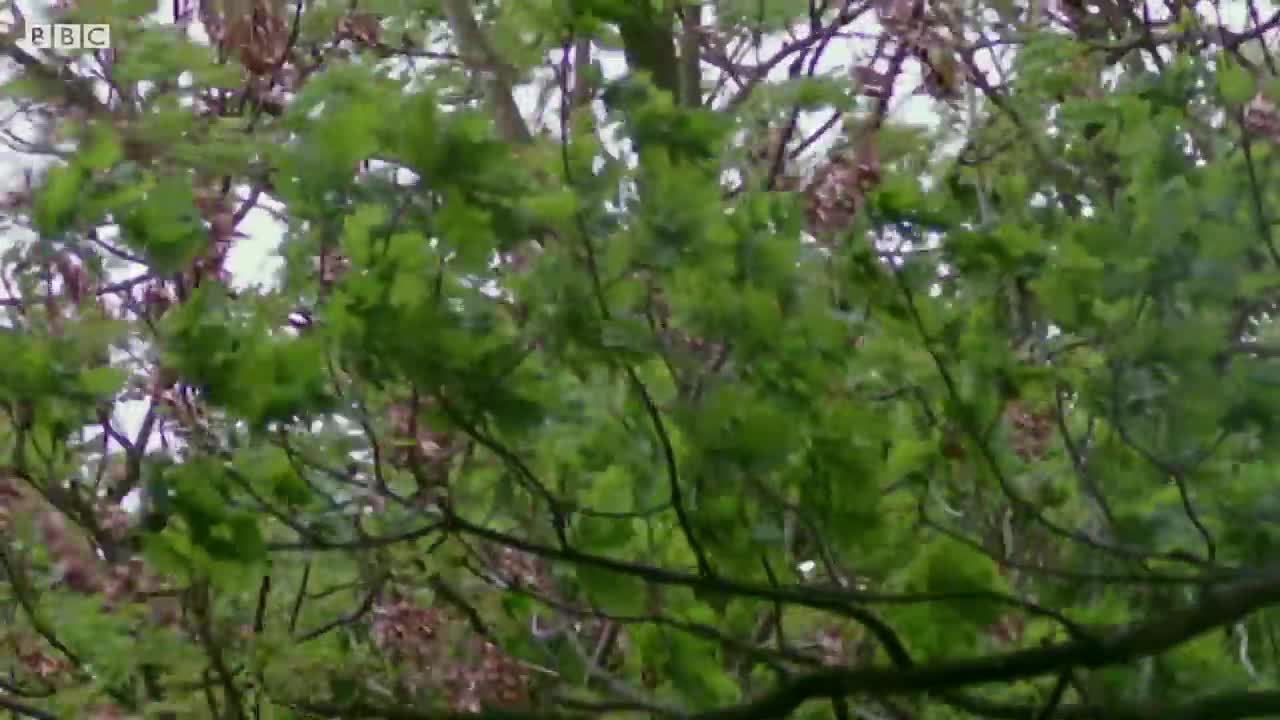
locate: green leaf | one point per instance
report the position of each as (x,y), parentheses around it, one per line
(102,152)
(696,668)
(468,230)
(270,467)
(1235,83)
(603,534)
(103,381)
(55,205)
(611,491)
(165,226)
(357,233)
(613,592)
(553,208)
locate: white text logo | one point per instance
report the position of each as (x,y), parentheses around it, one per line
(69,37)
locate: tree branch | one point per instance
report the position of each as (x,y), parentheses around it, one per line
(1152,637)
(478,53)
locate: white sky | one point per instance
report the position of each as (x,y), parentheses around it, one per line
(254,259)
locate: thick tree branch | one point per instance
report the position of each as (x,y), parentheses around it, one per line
(691,55)
(649,44)
(1224,706)
(1150,638)
(478,53)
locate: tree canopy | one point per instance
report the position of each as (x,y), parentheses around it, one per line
(642,358)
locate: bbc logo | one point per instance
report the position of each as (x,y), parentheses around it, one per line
(69,37)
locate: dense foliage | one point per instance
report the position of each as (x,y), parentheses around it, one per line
(639,358)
